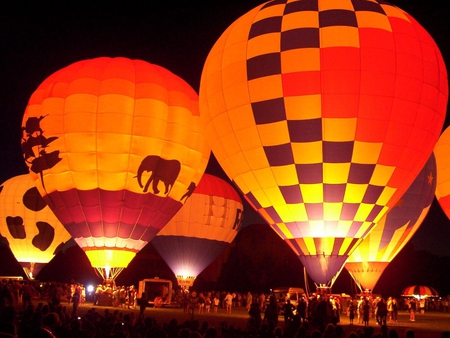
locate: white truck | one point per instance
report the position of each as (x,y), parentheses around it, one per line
(157,291)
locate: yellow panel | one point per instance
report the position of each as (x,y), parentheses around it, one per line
(345,246)
(339,130)
(272,134)
(236,165)
(336,173)
(312,193)
(343,228)
(114,123)
(116,181)
(274,195)
(366,153)
(300,59)
(81,122)
(112,163)
(381,175)
(339,36)
(332,211)
(368,19)
(354,193)
(80,142)
(298,212)
(284,213)
(264,44)
(285,175)
(365,226)
(110,258)
(307,153)
(303,107)
(113,103)
(363,212)
(300,19)
(310,245)
(265,88)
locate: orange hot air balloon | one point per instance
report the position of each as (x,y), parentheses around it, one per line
(33,232)
(323,113)
(368,261)
(201,230)
(115,147)
(442,153)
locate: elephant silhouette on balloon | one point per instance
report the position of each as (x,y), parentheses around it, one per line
(161,169)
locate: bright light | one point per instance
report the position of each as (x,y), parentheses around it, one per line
(90,288)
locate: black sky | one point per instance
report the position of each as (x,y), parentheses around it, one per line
(38,38)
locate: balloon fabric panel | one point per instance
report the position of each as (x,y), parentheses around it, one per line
(285,100)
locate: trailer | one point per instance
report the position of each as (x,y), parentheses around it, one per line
(157,291)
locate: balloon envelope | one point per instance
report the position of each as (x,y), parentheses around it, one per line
(114,146)
(442,152)
(201,230)
(368,261)
(323,113)
(33,232)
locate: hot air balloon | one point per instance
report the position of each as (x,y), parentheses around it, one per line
(115,147)
(33,232)
(368,261)
(323,113)
(442,153)
(201,230)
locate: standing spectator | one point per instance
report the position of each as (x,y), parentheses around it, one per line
(366,312)
(271,312)
(288,312)
(200,303)
(216,302)
(249,300)
(97,293)
(143,302)
(76,299)
(351,312)
(394,310)
(412,310)
(301,309)
(228,302)
(27,294)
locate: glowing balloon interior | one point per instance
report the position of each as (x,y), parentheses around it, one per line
(115,147)
(368,261)
(201,230)
(33,232)
(442,152)
(323,113)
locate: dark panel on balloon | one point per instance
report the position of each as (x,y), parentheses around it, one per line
(16,227)
(33,200)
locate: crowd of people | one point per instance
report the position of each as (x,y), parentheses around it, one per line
(315,317)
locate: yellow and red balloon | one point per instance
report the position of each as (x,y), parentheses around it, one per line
(114,146)
(33,232)
(442,153)
(323,113)
(203,228)
(368,261)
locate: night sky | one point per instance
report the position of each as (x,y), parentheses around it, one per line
(38,38)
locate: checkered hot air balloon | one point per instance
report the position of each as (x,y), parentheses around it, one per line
(114,146)
(203,228)
(33,232)
(368,261)
(323,113)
